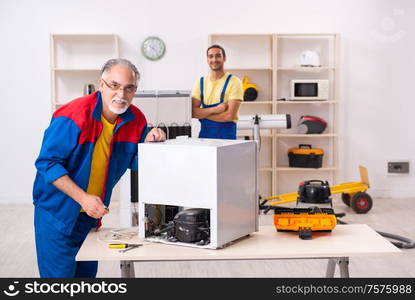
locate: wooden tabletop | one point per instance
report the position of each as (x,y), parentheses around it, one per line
(267,243)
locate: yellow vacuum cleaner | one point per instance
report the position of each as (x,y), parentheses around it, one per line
(250,90)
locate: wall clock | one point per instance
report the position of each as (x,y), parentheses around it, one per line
(153,48)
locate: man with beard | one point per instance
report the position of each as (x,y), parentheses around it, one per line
(216,98)
(89,144)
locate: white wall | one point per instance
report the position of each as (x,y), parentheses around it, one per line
(377,45)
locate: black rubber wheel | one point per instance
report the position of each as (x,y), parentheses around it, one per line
(305,234)
(361,202)
(346,199)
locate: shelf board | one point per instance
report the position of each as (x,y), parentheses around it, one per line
(291,102)
(306,102)
(306,169)
(299,135)
(83,34)
(75,70)
(265,169)
(249,69)
(305,35)
(306,69)
(256,102)
(241,35)
(265,135)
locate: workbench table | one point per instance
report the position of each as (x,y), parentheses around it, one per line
(267,244)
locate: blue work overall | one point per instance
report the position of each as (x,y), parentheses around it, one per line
(212,129)
(56,251)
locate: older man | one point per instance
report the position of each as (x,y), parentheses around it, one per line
(88,146)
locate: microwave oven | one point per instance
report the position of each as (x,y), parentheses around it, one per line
(309,89)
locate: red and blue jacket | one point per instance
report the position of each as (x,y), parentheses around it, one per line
(67,148)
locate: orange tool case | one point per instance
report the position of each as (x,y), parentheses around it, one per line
(305,156)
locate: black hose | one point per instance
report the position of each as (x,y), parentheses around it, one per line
(404,243)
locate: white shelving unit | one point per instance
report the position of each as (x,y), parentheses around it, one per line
(271,61)
(76,60)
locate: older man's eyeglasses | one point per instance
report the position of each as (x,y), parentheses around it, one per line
(115,86)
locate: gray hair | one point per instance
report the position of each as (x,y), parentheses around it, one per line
(120,62)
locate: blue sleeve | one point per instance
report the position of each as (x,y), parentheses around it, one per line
(134,162)
(144,134)
(60,138)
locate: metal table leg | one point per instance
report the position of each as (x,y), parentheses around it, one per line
(127,269)
(343,263)
(344,267)
(331,266)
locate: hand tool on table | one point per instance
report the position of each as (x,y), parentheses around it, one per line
(126,247)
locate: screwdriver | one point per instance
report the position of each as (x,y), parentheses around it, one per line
(124,245)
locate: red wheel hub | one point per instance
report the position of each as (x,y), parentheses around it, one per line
(362,203)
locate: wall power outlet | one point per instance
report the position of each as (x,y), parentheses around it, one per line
(398,167)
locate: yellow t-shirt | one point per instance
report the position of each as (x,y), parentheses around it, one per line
(100,158)
(213,89)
